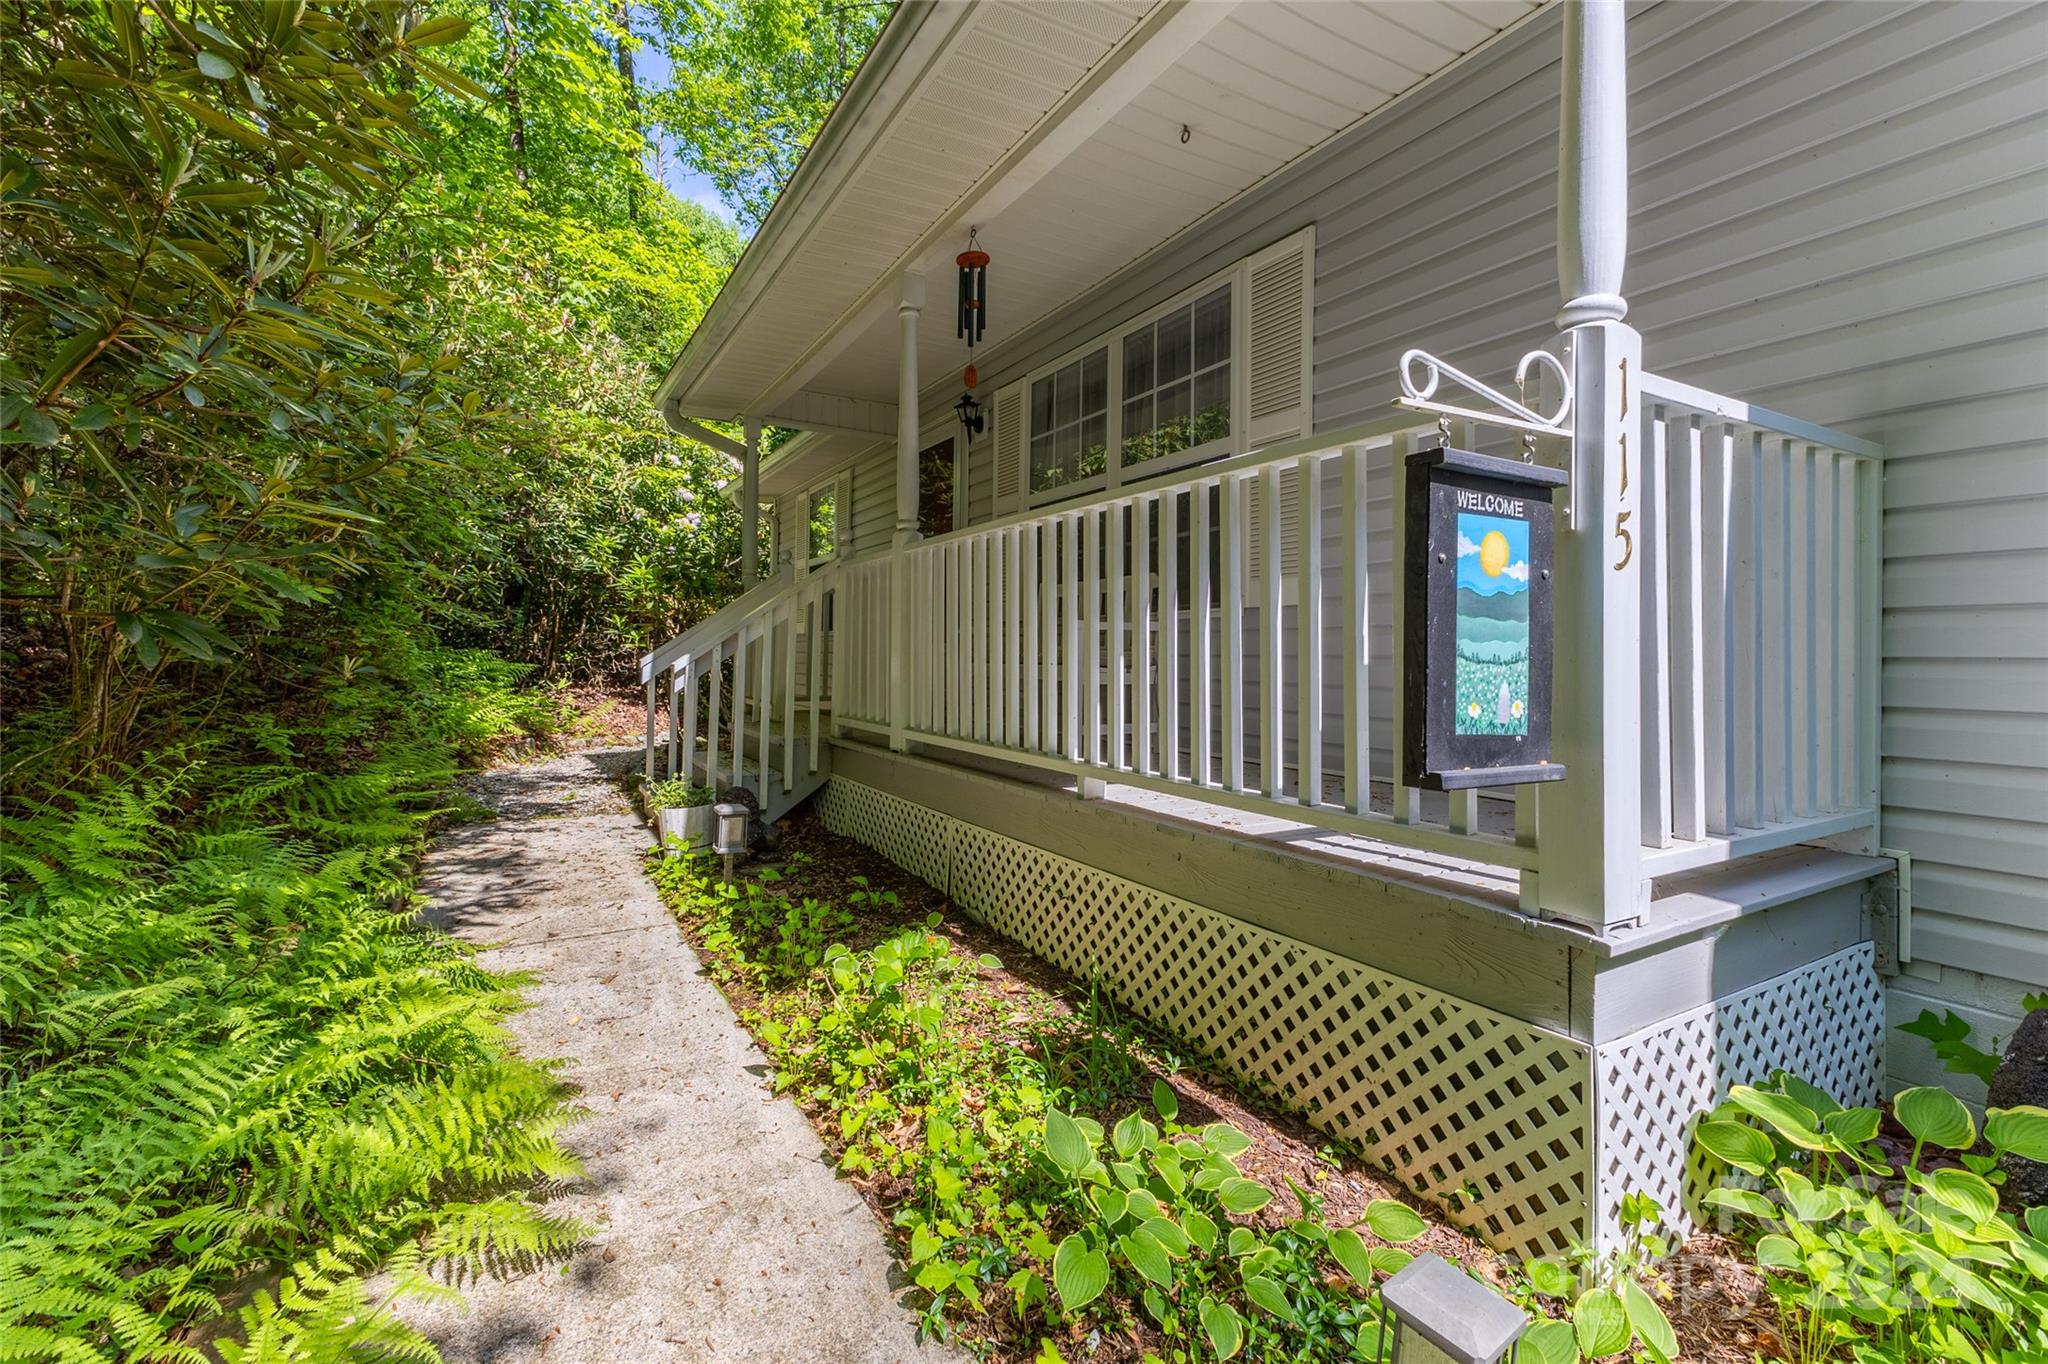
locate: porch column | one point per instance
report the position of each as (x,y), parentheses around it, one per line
(1592,164)
(750,509)
(1590,826)
(909,305)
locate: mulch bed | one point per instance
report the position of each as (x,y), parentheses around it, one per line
(1721,1313)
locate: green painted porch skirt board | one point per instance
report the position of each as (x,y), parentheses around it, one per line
(1486,1115)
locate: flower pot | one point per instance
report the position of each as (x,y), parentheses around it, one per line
(693,825)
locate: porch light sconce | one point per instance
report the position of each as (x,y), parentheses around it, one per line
(731,838)
(1441,1315)
(1475,667)
(967,409)
(973,318)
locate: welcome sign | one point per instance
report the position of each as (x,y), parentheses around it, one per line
(1478,624)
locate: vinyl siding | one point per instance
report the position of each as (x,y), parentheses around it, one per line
(1839,210)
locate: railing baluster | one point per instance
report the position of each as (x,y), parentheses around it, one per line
(1652,541)
(1869,638)
(1847,619)
(1167,717)
(1033,683)
(1717,451)
(1116,587)
(1070,651)
(1744,630)
(790,618)
(1774,494)
(1201,636)
(997,631)
(1235,504)
(1688,634)
(1049,635)
(764,725)
(1272,741)
(715,681)
(677,673)
(1309,632)
(1357,633)
(1141,634)
(1091,662)
(1826,620)
(739,708)
(1014,635)
(815,662)
(963,617)
(1799,624)
(1405,801)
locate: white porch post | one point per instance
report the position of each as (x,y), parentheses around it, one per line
(750,509)
(1592,164)
(1590,843)
(909,305)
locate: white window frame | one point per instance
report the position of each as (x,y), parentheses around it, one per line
(1117,473)
(840,488)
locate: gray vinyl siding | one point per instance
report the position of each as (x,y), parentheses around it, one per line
(874,500)
(1839,210)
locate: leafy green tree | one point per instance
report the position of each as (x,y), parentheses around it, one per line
(210,409)
(753,80)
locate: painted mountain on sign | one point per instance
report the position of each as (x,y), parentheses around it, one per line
(1492,642)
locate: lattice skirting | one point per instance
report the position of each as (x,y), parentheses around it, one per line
(1823,1021)
(1525,1137)
(1483,1112)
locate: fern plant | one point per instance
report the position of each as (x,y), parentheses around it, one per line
(237,1066)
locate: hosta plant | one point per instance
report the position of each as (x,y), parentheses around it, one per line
(1882,1259)
(1612,1296)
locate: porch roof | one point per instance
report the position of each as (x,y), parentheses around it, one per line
(1058,132)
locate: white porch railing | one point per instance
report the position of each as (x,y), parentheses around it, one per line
(1208,633)
(749,681)
(1211,634)
(1760,540)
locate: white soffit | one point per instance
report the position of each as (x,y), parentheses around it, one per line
(958,86)
(1257,85)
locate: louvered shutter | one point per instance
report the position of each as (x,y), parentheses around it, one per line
(1008,446)
(1279,294)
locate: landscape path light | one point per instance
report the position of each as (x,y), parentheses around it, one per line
(731,838)
(1442,1315)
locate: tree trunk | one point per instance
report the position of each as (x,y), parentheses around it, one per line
(515,116)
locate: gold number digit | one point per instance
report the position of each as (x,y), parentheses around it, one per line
(1628,541)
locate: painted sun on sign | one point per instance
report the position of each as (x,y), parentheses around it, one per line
(1492,625)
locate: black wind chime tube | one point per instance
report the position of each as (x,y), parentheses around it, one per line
(973,318)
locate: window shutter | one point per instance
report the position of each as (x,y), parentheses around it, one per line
(1279,306)
(1007,441)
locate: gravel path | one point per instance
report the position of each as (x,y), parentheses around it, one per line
(721,1233)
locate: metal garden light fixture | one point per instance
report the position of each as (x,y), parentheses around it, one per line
(731,839)
(967,409)
(1441,1315)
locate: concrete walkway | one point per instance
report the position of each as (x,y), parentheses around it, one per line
(721,1233)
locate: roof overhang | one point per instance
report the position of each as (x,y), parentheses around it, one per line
(1078,138)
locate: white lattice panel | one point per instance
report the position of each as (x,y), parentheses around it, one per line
(1486,1113)
(1824,1022)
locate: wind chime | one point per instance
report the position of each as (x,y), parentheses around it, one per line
(971,324)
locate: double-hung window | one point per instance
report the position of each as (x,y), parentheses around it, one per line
(1176,389)
(1070,423)
(1218,369)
